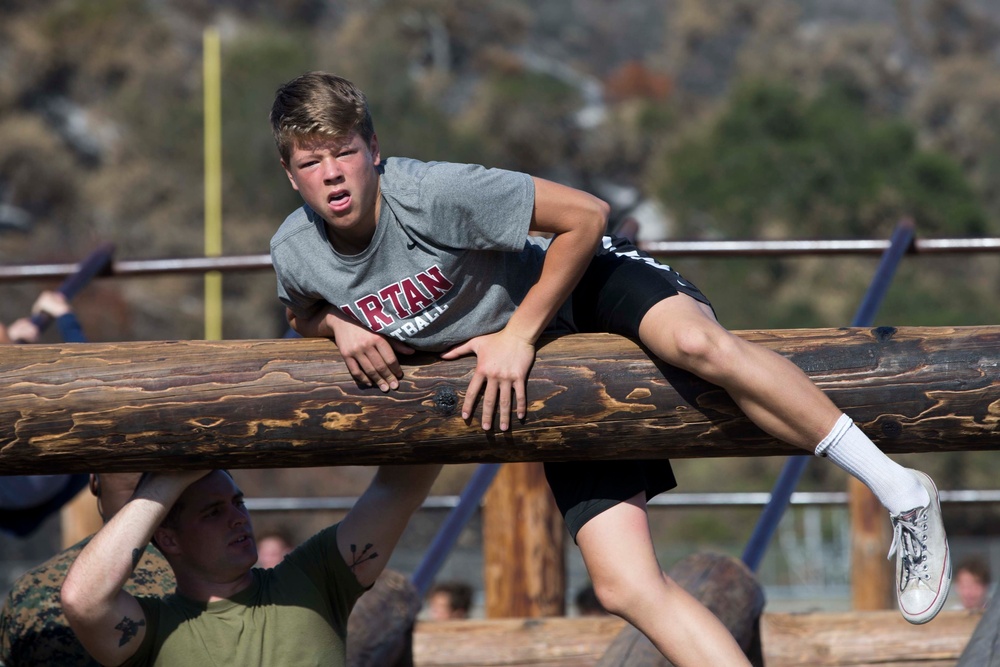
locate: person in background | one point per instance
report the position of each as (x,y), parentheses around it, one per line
(972,582)
(449,600)
(27,500)
(272,547)
(33,627)
(55,305)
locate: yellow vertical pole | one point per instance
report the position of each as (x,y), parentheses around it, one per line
(213,180)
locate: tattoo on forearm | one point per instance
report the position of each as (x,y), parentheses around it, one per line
(359,558)
(129,629)
(136,556)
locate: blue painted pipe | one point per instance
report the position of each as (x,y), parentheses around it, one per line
(753,554)
(458,517)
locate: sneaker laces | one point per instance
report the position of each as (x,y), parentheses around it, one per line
(910,537)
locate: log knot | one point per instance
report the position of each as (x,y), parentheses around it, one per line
(884,334)
(445,401)
(892,428)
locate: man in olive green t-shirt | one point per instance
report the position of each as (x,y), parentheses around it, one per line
(225,610)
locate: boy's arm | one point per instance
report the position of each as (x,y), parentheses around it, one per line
(577,221)
(370,357)
(369,533)
(108,621)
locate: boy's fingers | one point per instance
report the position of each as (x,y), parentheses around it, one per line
(471,393)
(357,372)
(380,373)
(365,372)
(505,390)
(489,404)
(386,351)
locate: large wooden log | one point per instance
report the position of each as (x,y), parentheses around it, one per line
(538,642)
(864,639)
(291,403)
(815,639)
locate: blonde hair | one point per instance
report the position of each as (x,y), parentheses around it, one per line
(318,103)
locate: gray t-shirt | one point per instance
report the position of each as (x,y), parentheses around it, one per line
(450,259)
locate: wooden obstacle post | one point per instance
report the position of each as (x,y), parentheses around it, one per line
(119,407)
(873,575)
(524,555)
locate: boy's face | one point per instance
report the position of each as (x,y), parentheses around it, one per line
(338,180)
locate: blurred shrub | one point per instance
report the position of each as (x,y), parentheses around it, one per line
(777,162)
(254,66)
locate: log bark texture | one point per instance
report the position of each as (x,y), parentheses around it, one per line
(803,639)
(106,407)
(521,642)
(865,639)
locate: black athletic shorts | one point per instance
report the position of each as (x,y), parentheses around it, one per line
(619,287)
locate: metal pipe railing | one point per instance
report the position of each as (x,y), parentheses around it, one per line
(672,500)
(707,249)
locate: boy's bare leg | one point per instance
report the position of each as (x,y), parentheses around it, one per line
(772,391)
(618,552)
(777,396)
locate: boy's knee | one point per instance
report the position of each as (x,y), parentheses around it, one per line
(705,346)
(611,597)
(620,593)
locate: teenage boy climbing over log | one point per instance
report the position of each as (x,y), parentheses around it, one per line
(389,256)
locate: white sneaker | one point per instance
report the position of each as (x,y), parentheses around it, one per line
(923,560)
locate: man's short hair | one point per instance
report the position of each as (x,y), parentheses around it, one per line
(318,104)
(170,520)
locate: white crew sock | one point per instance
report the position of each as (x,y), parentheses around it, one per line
(895,486)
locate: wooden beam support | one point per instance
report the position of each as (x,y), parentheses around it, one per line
(811,639)
(286,403)
(524,553)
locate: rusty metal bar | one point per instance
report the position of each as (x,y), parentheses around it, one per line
(709,249)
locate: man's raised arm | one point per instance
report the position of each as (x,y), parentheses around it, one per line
(108,621)
(369,533)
